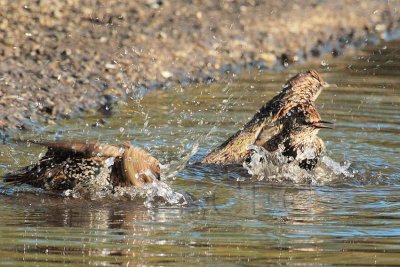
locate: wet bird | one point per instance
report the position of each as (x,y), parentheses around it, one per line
(298,139)
(298,92)
(88,165)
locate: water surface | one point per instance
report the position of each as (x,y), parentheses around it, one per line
(234,220)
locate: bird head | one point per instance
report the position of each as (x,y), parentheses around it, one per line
(300,135)
(303,117)
(306,118)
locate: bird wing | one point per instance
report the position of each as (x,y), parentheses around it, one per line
(51,164)
(76,148)
(264,134)
(37,173)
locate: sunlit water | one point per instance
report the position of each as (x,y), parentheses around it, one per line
(347,212)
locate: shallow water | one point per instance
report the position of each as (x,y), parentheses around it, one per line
(232,219)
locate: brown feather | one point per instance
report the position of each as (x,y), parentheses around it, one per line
(87,149)
(139,167)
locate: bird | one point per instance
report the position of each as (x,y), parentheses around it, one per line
(299,139)
(299,91)
(68,165)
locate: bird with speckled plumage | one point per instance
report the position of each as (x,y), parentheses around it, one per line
(299,139)
(88,165)
(299,92)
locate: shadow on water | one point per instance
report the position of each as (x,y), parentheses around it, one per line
(233,219)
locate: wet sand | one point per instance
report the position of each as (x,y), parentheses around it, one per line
(59,58)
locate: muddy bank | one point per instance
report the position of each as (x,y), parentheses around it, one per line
(58,58)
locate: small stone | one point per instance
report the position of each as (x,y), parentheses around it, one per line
(380,27)
(269,58)
(166,74)
(110,66)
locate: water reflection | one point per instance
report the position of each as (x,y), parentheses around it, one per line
(253,221)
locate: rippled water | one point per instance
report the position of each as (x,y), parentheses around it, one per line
(232,220)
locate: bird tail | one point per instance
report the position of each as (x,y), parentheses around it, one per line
(34,175)
(19,177)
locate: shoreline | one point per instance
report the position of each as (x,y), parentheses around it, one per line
(59,60)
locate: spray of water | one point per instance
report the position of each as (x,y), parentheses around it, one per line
(274,167)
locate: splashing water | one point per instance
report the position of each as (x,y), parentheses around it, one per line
(171,169)
(274,167)
(156,193)
(152,194)
(337,168)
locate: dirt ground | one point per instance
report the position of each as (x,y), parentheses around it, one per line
(59,58)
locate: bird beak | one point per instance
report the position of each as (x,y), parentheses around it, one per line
(321,124)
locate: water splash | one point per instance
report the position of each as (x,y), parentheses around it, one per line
(171,169)
(151,195)
(274,167)
(154,194)
(338,168)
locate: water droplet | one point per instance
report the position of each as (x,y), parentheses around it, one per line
(109,162)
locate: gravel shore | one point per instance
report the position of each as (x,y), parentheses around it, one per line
(59,58)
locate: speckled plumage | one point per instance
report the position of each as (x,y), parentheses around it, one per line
(68,165)
(298,92)
(298,137)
